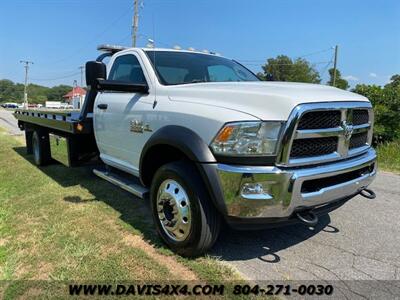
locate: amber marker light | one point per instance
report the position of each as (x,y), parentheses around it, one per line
(224,134)
(79,127)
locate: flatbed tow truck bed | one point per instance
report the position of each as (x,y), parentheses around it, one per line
(68,121)
(65,135)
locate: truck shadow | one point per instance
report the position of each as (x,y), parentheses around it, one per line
(265,244)
(231,245)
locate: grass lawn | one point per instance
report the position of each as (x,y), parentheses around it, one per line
(389,156)
(64,224)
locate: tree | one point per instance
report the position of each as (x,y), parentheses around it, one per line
(14,92)
(10,92)
(340,82)
(283,68)
(56,93)
(386,103)
(394,81)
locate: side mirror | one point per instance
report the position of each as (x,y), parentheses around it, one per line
(122,86)
(95,70)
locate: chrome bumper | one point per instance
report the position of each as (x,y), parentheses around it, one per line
(272,192)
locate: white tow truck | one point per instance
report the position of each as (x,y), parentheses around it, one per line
(208,142)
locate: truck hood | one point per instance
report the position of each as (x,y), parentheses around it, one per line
(264,100)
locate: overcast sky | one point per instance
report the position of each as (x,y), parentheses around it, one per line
(60,35)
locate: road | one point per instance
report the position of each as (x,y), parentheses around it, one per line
(359,241)
(8,122)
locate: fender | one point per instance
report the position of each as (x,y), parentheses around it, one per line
(196,150)
(182,138)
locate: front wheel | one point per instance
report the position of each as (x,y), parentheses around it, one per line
(183,213)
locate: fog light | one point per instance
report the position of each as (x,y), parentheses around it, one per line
(254,191)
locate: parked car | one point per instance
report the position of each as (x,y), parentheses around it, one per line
(10,105)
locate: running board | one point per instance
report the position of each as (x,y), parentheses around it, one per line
(131,186)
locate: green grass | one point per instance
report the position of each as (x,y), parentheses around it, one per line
(389,156)
(65,224)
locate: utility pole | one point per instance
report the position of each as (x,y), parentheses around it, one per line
(26,62)
(81,67)
(135,22)
(334,66)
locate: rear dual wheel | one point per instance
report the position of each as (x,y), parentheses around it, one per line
(184,216)
(41,148)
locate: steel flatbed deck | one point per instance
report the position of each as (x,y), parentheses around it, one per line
(69,121)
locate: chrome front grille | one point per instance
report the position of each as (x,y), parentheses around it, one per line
(358,140)
(320,120)
(323,132)
(313,147)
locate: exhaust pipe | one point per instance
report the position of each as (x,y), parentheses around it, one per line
(308,218)
(367,193)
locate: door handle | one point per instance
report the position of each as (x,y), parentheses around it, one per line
(102,106)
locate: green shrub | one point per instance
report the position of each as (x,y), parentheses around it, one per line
(386,103)
(389,156)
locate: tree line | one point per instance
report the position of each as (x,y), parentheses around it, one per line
(14,92)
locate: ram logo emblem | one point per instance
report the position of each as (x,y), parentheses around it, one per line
(347,130)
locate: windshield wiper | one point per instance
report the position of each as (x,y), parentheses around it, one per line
(198,81)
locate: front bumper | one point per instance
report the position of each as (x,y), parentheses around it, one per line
(252,192)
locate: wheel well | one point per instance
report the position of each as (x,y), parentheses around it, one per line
(155,157)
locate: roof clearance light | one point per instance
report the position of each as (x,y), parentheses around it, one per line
(177,47)
(191,49)
(110,48)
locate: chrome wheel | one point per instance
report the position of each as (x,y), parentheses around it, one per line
(173,209)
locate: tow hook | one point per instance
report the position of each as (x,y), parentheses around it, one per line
(367,193)
(307,217)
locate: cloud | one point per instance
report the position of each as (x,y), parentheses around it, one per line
(351,78)
(373,75)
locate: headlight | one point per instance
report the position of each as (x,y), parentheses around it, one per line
(247,138)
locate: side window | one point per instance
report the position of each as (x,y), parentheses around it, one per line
(174,75)
(127,68)
(221,73)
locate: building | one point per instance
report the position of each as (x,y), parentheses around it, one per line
(75,97)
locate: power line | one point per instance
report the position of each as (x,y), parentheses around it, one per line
(79,50)
(301,56)
(316,52)
(56,78)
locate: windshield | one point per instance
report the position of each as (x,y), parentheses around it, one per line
(185,67)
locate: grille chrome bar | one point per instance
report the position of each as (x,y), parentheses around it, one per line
(327,132)
(317,133)
(344,132)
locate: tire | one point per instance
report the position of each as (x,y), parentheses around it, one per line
(41,148)
(202,226)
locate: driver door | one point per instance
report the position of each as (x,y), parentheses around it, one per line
(115,112)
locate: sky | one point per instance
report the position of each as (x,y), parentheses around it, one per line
(59,36)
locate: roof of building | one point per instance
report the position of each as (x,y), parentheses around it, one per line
(77,91)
